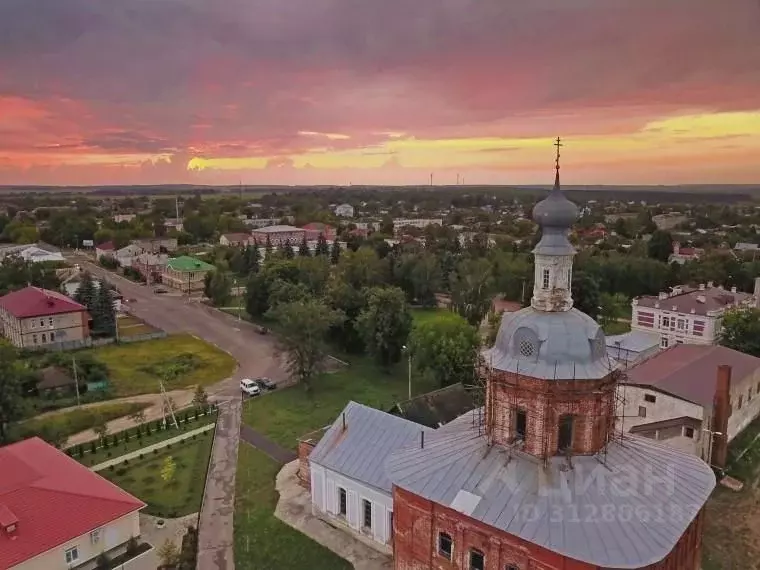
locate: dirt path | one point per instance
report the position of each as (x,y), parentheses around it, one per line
(181,398)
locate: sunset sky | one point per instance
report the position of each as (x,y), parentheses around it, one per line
(379,91)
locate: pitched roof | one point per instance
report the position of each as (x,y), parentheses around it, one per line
(54,499)
(560,507)
(317,226)
(360,451)
(53,377)
(438,407)
(689,371)
(278,229)
(36,302)
(186,263)
(698,300)
(107,246)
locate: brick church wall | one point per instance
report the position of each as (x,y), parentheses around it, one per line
(418,521)
(590,402)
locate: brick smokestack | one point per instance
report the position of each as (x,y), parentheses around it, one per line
(721,411)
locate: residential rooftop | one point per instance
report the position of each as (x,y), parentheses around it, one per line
(696,301)
(36,302)
(688,371)
(51,499)
(187,263)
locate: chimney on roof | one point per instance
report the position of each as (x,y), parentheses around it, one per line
(720,414)
(8,522)
(701,286)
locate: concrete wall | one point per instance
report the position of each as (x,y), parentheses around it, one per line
(665,407)
(112,539)
(325,498)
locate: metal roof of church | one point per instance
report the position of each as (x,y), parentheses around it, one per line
(625,510)
(359,452)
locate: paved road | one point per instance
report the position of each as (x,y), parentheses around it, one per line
(256,353)
(262,443)
(256,356)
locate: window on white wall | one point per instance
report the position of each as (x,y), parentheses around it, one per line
(72,554)
(642,412)
(366,514)
(650,398)
(342,502)
(664,342)
(545,279)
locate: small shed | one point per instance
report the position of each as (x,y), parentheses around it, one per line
(54,379)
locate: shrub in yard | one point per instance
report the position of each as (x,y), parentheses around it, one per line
(141,456)
(121,471)
(193,436)
(132,546)
(126,462)
(147,429)
(92,447)
(155,451)
(80,451)
(169,446)
(110,467)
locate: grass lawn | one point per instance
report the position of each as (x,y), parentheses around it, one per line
(77,420)
(180,496)
(420,316)
(261,539)
(103,454)
(616,327)
(136,368)
(285,415)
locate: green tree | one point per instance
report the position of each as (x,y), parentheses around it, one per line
(741,331)
(323,249)
(103,313)
(168,469)
(586,294)
(85,294)
(283,292)
(613,307)
(287,250)
(304,326)
(420,277)
(169,554)
(335,252)
(253,258)
(385,324)
(100,428)
(472,288)
(218,288)
(303,249)
(660,246)
(12,404)
(445,349)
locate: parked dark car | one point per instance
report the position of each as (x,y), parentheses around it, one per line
(266,384)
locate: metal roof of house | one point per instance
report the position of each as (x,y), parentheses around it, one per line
(360,451)
(634,341)
(689,371)
(700,301)
(650,492)
(186,263)
(36,302)
(278,229)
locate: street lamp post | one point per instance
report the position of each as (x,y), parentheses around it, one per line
(409,359)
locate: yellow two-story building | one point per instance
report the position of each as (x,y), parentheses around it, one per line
(35,318)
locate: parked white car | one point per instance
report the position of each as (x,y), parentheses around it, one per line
(248,386)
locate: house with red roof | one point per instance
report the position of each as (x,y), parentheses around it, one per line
(57,514)
(107,249)
(671,397)
(315,229)
(34,318)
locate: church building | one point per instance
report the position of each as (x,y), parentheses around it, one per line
(538,479)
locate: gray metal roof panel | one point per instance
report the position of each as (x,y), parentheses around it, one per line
(566,345)
(627,510)
(360,451)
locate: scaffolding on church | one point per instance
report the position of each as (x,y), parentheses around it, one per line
(604,410)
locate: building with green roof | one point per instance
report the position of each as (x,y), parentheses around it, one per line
(186,274)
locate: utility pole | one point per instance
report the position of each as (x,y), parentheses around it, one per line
(76,378)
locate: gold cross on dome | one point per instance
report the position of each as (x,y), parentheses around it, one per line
(558,144)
